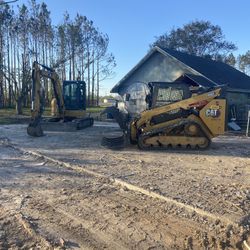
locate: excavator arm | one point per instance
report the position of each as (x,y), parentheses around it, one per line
(49,73)
(37,97)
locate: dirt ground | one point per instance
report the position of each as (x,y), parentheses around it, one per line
(65,191)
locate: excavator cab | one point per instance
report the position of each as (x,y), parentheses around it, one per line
(74,94)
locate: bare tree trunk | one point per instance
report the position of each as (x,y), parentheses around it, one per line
(70,72)
(73,63)
(97,84)
(19,110)
(5,85)
(19,69)
(88,59)
(46,82)
(1,95)
(9,83)
(82,67)
(93,80)
(1,73)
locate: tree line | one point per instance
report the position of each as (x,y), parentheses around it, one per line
(75,48)
(202,38)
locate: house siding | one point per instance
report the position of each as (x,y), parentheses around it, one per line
(157,68)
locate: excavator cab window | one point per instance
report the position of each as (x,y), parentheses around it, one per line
(74,94)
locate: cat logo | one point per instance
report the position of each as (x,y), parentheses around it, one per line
(212,112)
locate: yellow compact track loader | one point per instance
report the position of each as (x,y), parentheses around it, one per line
(175,117)
(68,105)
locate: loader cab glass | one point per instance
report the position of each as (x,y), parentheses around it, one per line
(135,98)
(74,93)
(166,93)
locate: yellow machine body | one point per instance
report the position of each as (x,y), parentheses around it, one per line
(202,118)
(78,114)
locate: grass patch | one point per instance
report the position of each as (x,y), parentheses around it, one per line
(6,120)
(9,116)
(95,109)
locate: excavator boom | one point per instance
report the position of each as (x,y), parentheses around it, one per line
(34,128)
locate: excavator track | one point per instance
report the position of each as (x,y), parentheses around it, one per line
(67,126)
(190,136)
(84,123)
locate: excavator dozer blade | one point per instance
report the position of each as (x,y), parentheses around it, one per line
(35,131)
(114,140)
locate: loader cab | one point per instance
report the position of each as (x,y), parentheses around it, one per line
(74,95)
(141,96)
(162,93)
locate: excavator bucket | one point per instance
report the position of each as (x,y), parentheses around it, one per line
(35,129)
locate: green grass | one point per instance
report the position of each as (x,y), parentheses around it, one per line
(7,112)
(95,109)
(8,115)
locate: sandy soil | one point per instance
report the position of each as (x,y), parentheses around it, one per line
(65,191)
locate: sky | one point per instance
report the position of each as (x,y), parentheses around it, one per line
(133,24)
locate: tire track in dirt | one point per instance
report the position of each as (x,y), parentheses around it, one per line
(14,222)
(132,187)
(149,228)
(90,238)
(140,219)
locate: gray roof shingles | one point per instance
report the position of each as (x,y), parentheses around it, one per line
(200,80)
(218,72)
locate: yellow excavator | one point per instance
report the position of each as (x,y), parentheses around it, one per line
(174,116)
(68,105)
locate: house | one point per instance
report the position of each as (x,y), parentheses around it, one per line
(165,65)
(109,101)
